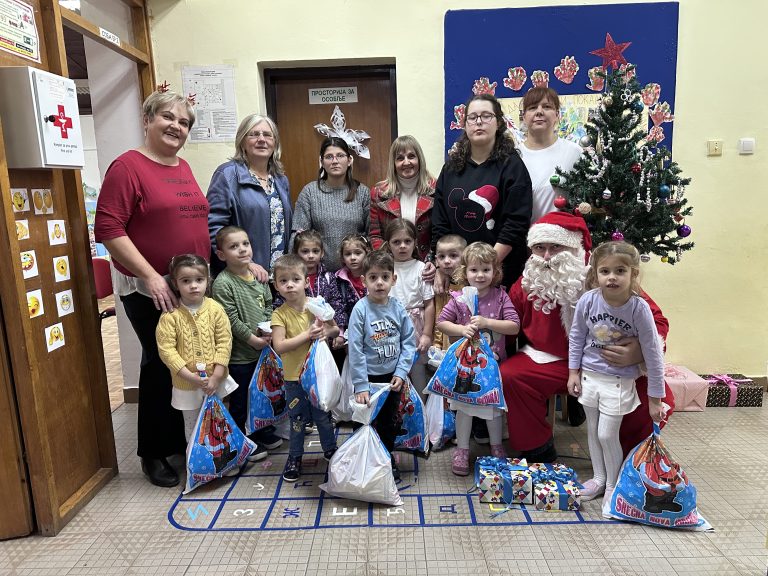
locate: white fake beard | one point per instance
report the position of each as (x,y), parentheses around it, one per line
(559,280)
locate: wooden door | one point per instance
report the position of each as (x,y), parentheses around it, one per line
(288,103)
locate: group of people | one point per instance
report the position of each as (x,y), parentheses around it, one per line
(390,261)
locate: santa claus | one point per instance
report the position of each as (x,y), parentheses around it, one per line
(545,298)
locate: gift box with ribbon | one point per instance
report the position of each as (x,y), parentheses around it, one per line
(690,389)
(502,480)
(733,390)
(556,496)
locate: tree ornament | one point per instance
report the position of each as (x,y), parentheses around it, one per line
(637,106)
(664,191)
(665,259)
(606,194)
(678,218)
(584,208)
(554,179)
(636,168)
(608,100)
(585,141)
(560,202)
(684,231)
(645,258)
(617,236)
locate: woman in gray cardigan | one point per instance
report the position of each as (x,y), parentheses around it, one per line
(335,204)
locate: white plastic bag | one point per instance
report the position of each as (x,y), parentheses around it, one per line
(320,377)
(361,469)
(343,411)
(441,423)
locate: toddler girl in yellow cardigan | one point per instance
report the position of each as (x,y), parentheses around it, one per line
(194,340)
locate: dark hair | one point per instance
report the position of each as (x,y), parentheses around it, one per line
(503,147)
(289,262)
(379,259)
(397,225)
(306,236)
(354,239)
(188,261)
(351,183)
(222,234)
(536,95)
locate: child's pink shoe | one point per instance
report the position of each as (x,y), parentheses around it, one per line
(460,463)
(591,490)
(497,451)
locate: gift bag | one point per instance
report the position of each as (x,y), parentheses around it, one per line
(361,469)
(441,421)
(216,446)
(413,432)
(342,412)
(653,489)
(266,393)
(320,377)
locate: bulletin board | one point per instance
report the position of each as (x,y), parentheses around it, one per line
(501,50)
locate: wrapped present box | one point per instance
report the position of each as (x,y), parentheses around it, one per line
(500,480)
(556,496)
(733,390)
(690,390)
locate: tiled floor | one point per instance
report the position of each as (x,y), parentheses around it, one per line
(125,529)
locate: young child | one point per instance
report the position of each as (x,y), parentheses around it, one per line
(414,294)
(247,303)
(293,330)
(496,318)
(382,344)
(354,248)
(610,311)
(448,253)
(194,340)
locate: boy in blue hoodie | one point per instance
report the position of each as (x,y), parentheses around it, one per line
(381,345)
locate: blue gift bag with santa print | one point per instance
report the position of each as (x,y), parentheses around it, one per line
(266,393)
(412,435)
(653,489)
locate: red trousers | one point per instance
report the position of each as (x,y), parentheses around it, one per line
(528,386)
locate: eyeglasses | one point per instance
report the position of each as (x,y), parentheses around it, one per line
(483,118)
(331,157)
(255,134)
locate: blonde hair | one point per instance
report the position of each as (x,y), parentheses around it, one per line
(390,186)
(625,251)
(460,241)
(288,262)
(158,101)
(274,165)
(481,252)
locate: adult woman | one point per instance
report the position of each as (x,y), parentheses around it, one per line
(251,191)
(483,192)
(406,193)
(335,204)
(543,151)
(150,209)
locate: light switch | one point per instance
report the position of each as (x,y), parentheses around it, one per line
(746,145)
(714,147)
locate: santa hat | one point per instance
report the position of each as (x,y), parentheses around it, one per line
(561,228)
(487,196)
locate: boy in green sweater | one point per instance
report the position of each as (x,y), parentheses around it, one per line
(247,303)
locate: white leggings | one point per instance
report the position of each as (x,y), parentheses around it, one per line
(604,446)
(464,429)
(190,419)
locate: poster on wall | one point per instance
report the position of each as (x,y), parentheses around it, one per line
(643,34)
(19,199)
(29,264)
(213,90)
(65,303)
(61,268)
(18,31)
(54,337)
(35,303)
(57,232)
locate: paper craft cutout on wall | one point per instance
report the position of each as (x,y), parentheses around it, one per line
(57,232)
(54,337)
(567,69)
(22,229)
(61,268)
(338,129)
(19,200)
(43,200)
(29,264)
(515,79)
(65,304)
(596,82)
(650,94)
(35,303)
(460,112)
(611,53)
(540,78)
(483,86)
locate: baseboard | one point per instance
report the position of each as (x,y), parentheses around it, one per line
(131,395)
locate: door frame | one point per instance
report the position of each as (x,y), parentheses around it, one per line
(388,71)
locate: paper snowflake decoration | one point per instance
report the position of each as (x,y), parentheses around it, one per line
(338,129)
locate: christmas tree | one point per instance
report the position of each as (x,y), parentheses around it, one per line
(625,184)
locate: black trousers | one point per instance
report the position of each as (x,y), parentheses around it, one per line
(160,427)
(388,420)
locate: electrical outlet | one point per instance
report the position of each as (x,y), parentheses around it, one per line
(714,147)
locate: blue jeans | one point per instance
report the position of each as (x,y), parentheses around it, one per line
(300,410)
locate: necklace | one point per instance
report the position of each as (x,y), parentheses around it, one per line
(264,179)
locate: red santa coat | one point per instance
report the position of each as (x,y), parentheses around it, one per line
(528,385)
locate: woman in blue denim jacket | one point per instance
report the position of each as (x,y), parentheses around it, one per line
(251,191)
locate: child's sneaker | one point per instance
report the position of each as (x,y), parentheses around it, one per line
(258,454)
(292,469)
(395,469)
(497,451)
(460,462)
(591,490)
(328,454)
